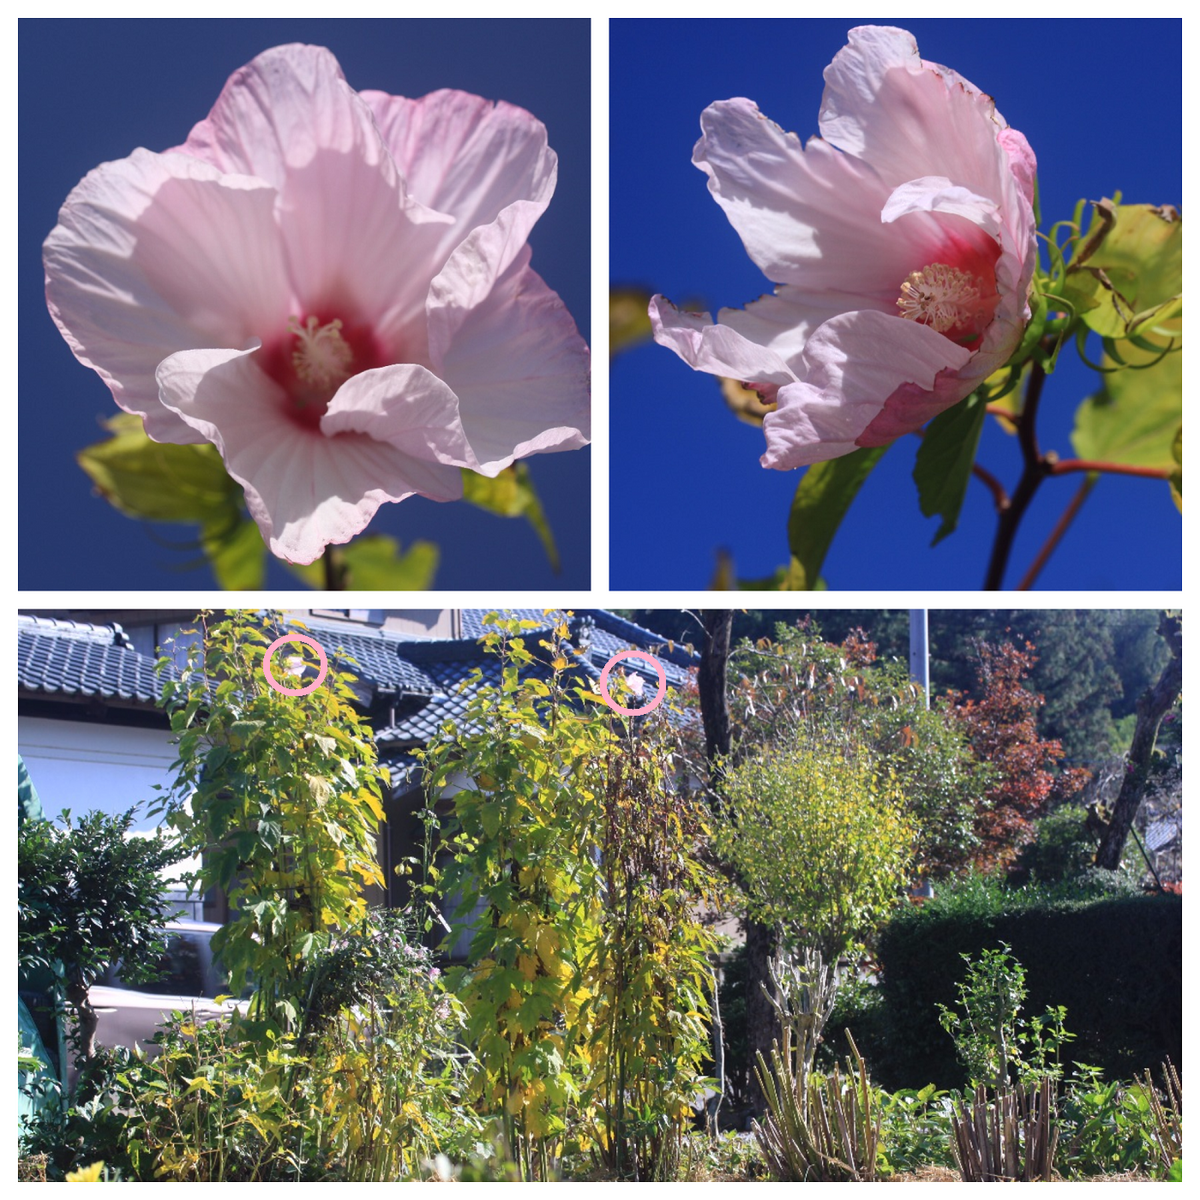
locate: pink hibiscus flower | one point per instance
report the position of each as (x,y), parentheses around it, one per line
(903,241)
(331,287)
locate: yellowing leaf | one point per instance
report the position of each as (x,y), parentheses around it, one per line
(375,564)
(1127,271)
(628,318)
(1136,415)
(92,1174)
(512,494)
(159,481)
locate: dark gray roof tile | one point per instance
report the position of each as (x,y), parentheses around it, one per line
(70,658)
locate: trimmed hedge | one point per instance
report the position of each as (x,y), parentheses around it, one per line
(1115,963)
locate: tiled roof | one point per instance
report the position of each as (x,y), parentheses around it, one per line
(71,658)
(451,663)
(449,705)
(376,654)
(472,618)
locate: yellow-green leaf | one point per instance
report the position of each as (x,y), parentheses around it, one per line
(236,551)
(1136,415)
(158,481)
(1176,480)
(375,564)
(1127,271)
(628,318)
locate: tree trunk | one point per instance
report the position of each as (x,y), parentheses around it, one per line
(1153,704)
(760,939)
(762,1025)
(714,704)
(86,1020)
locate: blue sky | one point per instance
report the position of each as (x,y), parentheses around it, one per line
(92,91)
(1099,101)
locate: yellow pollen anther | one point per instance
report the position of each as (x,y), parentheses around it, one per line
(941,296)
(322,356)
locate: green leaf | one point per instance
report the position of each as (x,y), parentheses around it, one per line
(821,501)
(1135,417)
(944,461)
(1127,271)
(157,480)
(236,551)
(376,564)
(511,494)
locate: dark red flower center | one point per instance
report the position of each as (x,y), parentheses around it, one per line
(316,356)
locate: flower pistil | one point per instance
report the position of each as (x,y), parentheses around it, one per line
(322,357)
(944,297)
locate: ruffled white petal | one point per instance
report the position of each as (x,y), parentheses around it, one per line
(808,216)
(405,405)
(851,365)
(717,349)
(304,490)
(466,157)
(520,371)
(158,253)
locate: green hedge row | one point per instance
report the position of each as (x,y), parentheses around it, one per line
(1115,963)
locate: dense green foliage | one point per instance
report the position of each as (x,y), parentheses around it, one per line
(89,894)
(820,842)
(1114,963)
(280,795)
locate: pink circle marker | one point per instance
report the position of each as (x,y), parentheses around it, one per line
(295,637)
(658,696)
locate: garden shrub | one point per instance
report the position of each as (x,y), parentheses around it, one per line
(1063,848)
(370,1090)
(1115,964)
(819,840)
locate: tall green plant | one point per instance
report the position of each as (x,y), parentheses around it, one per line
(280,795)
(526,759)
(993,1039)
(648,970)
(819,837)
(574,852)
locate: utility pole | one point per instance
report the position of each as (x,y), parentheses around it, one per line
(918,649)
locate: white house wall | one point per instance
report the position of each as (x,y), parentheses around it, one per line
(84,766)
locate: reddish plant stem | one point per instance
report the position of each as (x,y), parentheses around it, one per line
(1056,534)
(1066,465)
(1035,470)
(993,485)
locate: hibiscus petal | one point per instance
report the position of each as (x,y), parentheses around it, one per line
(936,194)
(354,250)
(277,113)
(808,216)
(407,406)
(157,253)
(304,490)
(717,349)
(784,321)
(851,365)
(357,243)
(910,118)
(520,370)
(466,157)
